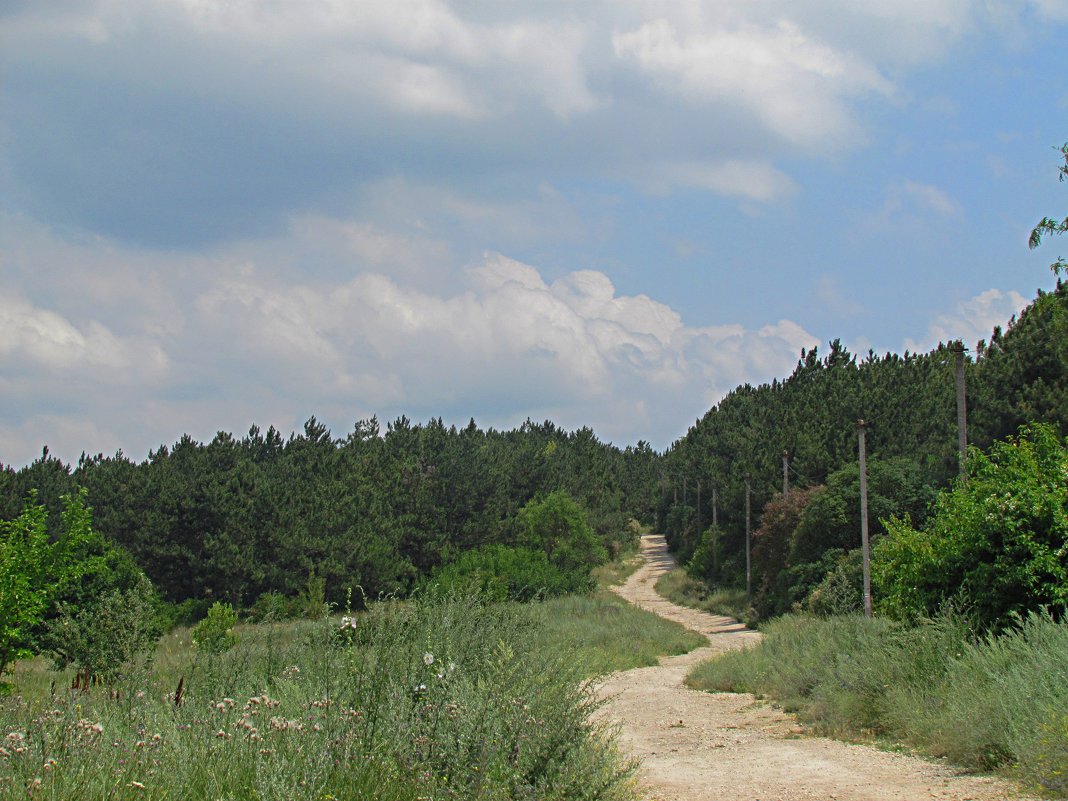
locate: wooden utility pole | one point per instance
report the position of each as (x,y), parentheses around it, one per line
(698,508)
(785,474)
(715,532)
(748,562)
(962,409)
(861,429)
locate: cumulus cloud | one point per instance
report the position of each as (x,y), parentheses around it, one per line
(971,320)
(237,115)
(259,344)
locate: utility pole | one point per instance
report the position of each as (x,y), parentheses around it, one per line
(962,409)
(698,509)
(715,532)
(785,474)
(861,429)
(748,562)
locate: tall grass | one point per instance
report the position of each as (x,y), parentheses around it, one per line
(603,633)
(435,698)
(679,587)
(998,702)
(450,698)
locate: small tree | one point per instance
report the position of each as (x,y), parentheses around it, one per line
(25,559)
(557,525)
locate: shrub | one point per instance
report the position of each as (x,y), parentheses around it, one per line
(998,542)
(214,634)
(110,634)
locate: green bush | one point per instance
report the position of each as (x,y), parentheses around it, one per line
(558,526)
(997,543)
(109,635)
(215,633)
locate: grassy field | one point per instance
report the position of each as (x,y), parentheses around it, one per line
(993,703)
(429,699)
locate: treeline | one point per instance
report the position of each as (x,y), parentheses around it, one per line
(804,545)
(264,515)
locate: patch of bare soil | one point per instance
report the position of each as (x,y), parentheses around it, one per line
(698,746)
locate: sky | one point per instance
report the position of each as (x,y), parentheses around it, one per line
(606,213)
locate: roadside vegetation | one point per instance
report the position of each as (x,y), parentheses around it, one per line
(679,587)
(995,702)
(445,695)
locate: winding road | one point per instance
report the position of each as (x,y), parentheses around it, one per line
(698,746)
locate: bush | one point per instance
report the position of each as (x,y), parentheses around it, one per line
(558,526)
(109,635)
(214,634)
(997,543)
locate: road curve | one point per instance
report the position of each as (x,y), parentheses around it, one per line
(698,746)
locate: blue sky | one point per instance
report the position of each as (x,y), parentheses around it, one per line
(607,213)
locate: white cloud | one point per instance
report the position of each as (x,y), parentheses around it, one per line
(970,321)
(793,85)
(261,344)
(33,339)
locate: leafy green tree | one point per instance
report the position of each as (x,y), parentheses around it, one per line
(34,570)
(1049,225)
(997,544)
(557,525)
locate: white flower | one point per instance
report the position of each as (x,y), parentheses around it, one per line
(428,659)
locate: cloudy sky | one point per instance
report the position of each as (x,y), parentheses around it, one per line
(215,213)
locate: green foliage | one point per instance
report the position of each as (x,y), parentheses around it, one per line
(26,561)
(841,590)
(500,573)
(998,542)
(436,698)
(215,633)
(38,573)
(1049,226)
(557,525)
(108,635)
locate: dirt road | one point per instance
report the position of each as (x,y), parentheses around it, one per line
(697,746)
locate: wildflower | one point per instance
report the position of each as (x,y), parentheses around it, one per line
(222,735)
(140,744)
(49,764)
(138,785)
(428,659)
